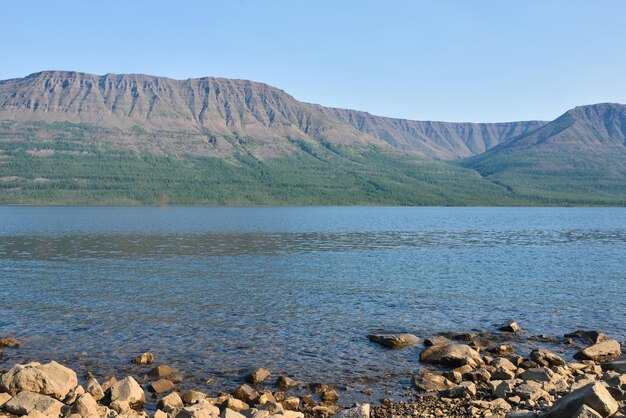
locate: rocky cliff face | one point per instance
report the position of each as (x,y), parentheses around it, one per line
(268,118)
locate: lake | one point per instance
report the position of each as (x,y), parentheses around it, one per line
(215,291)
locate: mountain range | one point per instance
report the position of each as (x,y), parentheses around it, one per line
(69,137)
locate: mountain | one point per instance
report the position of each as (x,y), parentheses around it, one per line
(209,113)
(68,137)
(580,156)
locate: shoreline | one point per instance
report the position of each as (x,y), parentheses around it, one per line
(460,374)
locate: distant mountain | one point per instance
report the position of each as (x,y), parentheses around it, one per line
(580,155)
(219,110)
(68,137)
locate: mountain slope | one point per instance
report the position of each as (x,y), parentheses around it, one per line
(210,113)
(580,157)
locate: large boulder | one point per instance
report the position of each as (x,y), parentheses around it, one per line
(51,379)
(606,350)
(26,402)
(394,340)
(127,391)
(453,355)
(594,395)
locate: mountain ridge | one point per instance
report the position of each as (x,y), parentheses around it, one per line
(232,107)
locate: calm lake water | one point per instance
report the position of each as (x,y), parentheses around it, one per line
(214,291)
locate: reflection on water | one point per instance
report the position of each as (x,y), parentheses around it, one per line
(216,290)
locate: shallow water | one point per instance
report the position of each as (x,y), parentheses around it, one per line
(214,291)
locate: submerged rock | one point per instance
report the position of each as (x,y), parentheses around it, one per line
(510,326)
(144,359)
(394,340)
(9,342)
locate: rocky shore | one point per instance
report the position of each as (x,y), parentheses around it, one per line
(460,375)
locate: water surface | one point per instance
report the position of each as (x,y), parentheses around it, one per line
(214,291)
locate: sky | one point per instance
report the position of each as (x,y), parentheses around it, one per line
(477,61)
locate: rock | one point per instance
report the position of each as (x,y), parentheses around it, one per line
(292,403)
(202,409)
(50,379)
(529,392)
(9,342)
(161,371)
(25,402)
(618,366)
(503,350)
(170,402)
(192,396)
(285,382)
(594,395)
(229,413)
(128,390)
(427,381)
(522,413)
(93,387)
(394,340)
(542,374)
(585,412)
(546,358)
(160,414)
(510,326)
(257,376)
(246,393)
(234,404)
(160,386)
(85,406)
(589,337)
(438,340)
(4,397)
(502,374)
(450,355)
(265,397)
(106,385)
(73,395)
(144,359)
(359,411)
(326,393)
(271,407)
(463,390)
(287,414)
(603,351)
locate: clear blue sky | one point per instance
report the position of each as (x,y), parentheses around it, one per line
(429,60)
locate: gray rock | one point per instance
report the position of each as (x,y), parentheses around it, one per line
(594,395)
(546,358)
(128,390)
(585,412)
(257,376)
(510,326)
(427,381)
(85,406)
(463,390)
(25,402)
(359,411)
(50,379)
(394,340)
(603,351)
(450,355)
